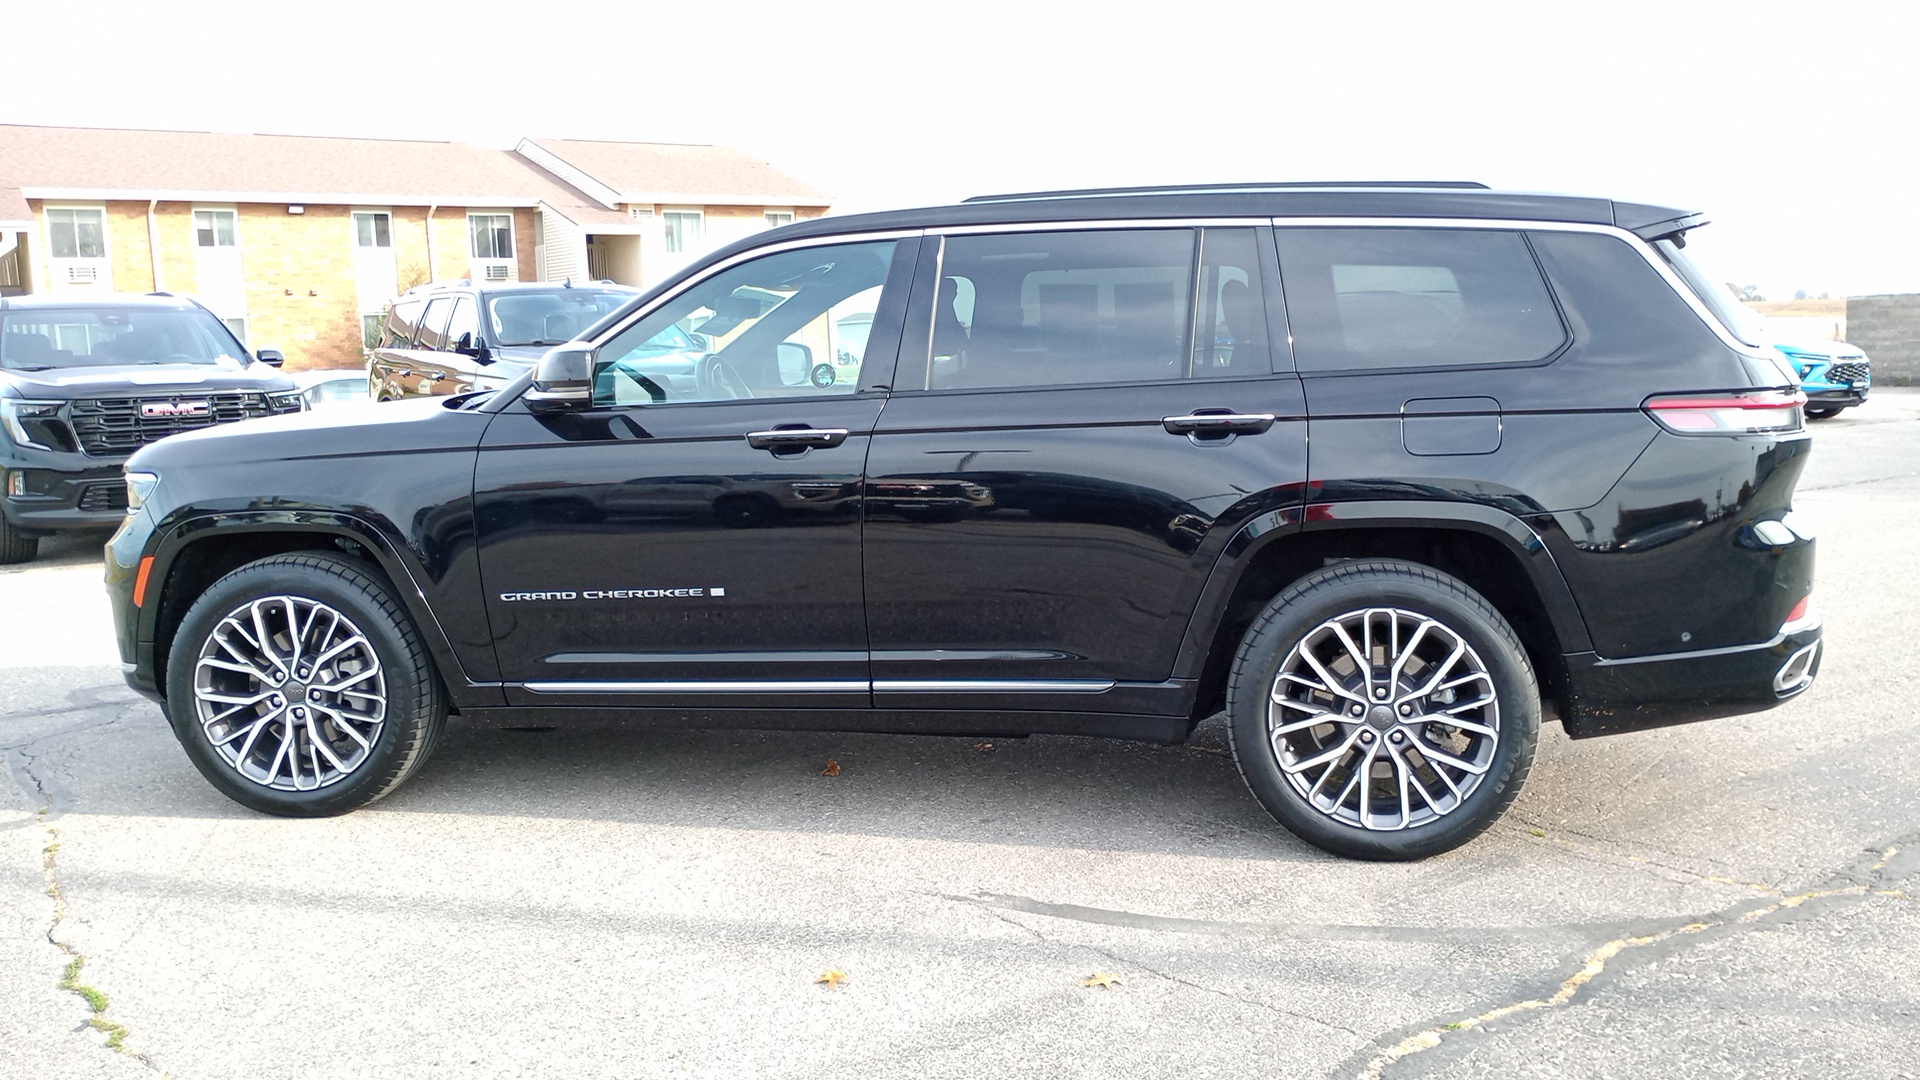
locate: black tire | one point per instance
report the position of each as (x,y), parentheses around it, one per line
(1822,413)
(411,721)
(15,548)
(1391,597)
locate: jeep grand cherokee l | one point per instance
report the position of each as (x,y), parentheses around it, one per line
(84,382)
(1377,470)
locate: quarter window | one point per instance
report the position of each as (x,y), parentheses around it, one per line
(790,324)
(1060,308)
(1369,298)
(684,230)
(376,230)
(401,321)
(433,324)
(492,235)
(213,228)
(77,234)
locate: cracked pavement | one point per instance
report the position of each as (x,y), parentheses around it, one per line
(1724,899)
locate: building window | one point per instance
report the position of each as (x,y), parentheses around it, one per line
(239,328)
(684,230)
(376,230)
(213,228)
(492,235)
(77,234)
(777,218)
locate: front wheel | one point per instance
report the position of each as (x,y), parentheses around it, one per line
(299,686)
(1819,412)
(15,548)
(1383,710)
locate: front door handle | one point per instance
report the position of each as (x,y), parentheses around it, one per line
(796,438)
(1218,423)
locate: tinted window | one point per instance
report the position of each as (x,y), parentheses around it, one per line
(1059,308)
(548,316)
(400,322)
(1231,338)
(1395,298)
(464,323)
(783,325)
(433,324)
(36,339)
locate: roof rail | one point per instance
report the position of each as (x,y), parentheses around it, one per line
(1181,189)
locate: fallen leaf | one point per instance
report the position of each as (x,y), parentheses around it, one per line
(984,747)
(832,769)
(832,978)
(1105,980)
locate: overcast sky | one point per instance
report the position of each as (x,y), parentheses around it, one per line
(1791,125)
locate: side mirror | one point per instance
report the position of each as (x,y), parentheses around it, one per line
(270,357)
(562,380)
(796,362)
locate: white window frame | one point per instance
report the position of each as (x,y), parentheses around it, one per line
(353,229)
(667,217)
(779,211)
(58,268)
(513,238)
(194,228)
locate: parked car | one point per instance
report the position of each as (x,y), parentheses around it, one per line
(1833,374)
(331,386)
(1068,489)
(84,382)
(453,337)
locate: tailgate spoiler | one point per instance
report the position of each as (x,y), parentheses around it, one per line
(1656,222)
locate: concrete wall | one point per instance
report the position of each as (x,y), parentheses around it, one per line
(1888,328)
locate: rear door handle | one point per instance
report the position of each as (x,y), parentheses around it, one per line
(1218,423)
(796,438)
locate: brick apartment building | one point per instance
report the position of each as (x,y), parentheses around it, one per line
(300,242)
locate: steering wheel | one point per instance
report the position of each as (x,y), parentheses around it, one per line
(723,380)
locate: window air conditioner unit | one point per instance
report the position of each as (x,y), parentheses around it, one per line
(497,272)
(83,275)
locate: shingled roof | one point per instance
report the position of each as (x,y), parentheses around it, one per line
(671,173)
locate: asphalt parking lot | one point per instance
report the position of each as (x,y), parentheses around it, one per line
(1737,898)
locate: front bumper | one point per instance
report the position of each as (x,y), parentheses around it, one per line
(1607,697)
(60,490)
(1841,398)
(124,554)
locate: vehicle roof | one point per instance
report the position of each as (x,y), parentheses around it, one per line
(1436,199)
(70,301)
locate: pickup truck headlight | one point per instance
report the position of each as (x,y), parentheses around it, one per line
(139,486)
(32,423)
(282,401)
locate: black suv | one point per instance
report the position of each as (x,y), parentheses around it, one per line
(1383,472)
(447,339)
(84,382)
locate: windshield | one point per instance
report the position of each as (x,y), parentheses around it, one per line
(41,339)
(1715,290)
(548,317)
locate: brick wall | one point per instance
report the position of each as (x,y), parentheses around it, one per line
(301,293)
(173,221)
(127,247)
(1888,328)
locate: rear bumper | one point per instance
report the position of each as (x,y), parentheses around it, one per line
(1607,697)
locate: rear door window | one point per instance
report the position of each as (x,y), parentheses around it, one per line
(433,325)
(1380,298)
(1062,308)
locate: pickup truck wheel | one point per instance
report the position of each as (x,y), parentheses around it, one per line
(1383,710)
(15,548)
(299,686)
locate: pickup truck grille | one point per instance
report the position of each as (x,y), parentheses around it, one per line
(107,427)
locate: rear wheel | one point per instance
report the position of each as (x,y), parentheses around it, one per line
(1383,710)
(15,548)
(299,686)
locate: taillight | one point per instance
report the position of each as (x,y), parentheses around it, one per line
(1756,412)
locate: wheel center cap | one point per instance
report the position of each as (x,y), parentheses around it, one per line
(1381,717)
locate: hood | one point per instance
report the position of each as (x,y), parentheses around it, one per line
(347,429)
(1831,350)
(142,380)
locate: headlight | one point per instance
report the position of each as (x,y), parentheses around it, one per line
(32,423)
(139,486)
(287,400)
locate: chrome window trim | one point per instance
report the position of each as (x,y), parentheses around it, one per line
(1646,250)
(1101,225)
(992,686)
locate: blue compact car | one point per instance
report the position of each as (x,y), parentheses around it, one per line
(1834,374)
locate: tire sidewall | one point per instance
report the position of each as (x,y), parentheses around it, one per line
(1273,636)
(387,761)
